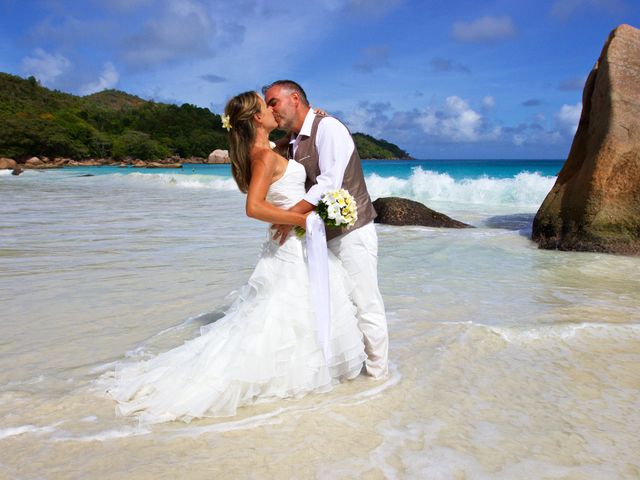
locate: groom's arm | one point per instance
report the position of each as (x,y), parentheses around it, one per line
(335,147)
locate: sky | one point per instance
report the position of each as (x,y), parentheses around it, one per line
(450,79)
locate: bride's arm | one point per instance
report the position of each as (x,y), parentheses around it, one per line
(262,171)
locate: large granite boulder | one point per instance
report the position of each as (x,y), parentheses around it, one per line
(401,211)
(595,203)
(219,156)
(34,162)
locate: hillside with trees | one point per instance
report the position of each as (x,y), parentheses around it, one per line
(37,121)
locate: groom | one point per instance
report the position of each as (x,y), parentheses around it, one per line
(325,148)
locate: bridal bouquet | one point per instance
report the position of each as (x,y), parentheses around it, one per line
(336,208)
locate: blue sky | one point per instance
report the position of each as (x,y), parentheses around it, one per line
(442,79)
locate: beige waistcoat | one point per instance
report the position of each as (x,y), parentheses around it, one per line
(353,180)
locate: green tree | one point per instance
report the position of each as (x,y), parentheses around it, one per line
(138,145)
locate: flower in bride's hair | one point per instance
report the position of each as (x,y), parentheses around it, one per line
(226,122)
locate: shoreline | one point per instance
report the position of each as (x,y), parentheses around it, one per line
(45,163)
(42,163)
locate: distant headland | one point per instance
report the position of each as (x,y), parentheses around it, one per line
(43,128)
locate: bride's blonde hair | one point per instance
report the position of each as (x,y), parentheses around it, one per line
(240,110)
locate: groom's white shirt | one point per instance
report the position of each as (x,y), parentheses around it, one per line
(335,147)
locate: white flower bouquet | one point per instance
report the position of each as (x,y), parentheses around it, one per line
(336,208)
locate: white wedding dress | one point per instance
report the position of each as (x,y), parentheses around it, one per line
(265,346)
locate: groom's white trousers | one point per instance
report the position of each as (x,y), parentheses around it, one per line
(358,252)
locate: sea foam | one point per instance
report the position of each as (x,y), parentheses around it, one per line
(525,189)
(183,181)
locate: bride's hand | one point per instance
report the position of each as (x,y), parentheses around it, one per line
(320,112)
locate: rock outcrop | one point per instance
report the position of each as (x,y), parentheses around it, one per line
(219,156)
(34,162)
(401,211)
(7,163)
(595,203)
(59,162)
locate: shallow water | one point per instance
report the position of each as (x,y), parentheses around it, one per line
(507,361)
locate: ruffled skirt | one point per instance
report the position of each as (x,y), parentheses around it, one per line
(264,348)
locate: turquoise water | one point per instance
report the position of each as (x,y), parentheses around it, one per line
(457,169)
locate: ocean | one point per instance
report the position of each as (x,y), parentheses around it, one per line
(506,361)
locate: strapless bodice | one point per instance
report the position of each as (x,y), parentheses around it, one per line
(288,189)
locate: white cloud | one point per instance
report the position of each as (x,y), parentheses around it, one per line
(568,117)
(461,122)
(525,135)
(489,102)
(484,30)
(245,51)
(535,132)
(108,79)
(182,31)
(44,66)
(453,121)
(519,139)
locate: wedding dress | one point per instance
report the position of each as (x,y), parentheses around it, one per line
(265,346)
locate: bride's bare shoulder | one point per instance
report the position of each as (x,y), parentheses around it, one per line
(268,161)
(263,156)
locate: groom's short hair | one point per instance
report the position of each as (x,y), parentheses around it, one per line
(289,85)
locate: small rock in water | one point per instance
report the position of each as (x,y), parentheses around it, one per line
(402,211)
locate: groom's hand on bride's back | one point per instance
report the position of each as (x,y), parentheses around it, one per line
(281,232)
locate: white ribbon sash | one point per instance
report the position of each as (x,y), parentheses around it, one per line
(318,260)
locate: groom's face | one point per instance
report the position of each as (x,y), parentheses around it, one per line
(282,103)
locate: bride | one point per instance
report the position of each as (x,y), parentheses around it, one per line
(265,346)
